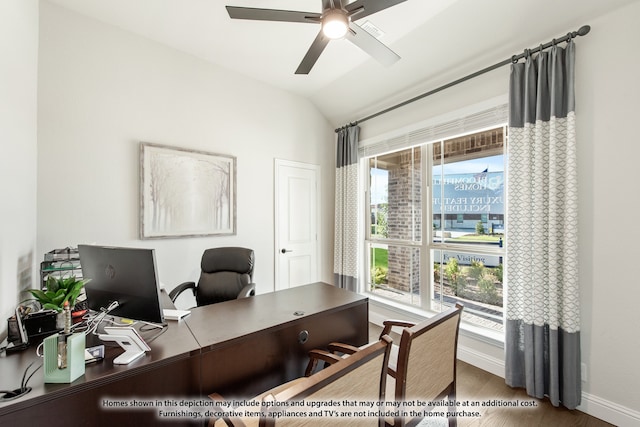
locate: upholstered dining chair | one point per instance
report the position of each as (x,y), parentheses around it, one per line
(426,363)
(226,274)
(421,367)
(360,377)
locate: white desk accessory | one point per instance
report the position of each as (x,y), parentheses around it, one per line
(171,314)
(129,339)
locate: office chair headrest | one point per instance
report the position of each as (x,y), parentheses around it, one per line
(240,260)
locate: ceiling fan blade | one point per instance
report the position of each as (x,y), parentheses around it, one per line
(327,4)
(313,53)
(273,15)
(369,7)
(365,41)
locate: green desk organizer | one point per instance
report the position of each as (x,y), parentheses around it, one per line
(75,359)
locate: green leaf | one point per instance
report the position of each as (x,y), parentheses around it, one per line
(58,291)
(58,299)
(52,284)
(68,282)
(50,306)
(76,287)
(71,297)
(38,294)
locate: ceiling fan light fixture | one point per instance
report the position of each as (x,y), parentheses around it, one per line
(337,20)
(335,24)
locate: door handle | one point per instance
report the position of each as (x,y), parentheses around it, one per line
(284,251)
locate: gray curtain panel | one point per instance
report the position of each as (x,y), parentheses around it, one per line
(543,315)
(345,259)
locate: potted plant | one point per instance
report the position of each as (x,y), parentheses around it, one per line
(59,290)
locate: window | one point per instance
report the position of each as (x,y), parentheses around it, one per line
(456,188)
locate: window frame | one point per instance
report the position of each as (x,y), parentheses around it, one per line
(426,244)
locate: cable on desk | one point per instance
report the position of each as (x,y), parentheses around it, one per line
(24,389)
(26,381)
(150,325)
(162,331)
(90,322)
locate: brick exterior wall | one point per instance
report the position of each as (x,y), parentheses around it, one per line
(466,146)
(404,220)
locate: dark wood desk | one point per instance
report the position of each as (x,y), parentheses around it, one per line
(251,345)
(241,347)
(171,368)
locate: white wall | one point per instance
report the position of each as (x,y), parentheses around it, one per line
(102,90)
(18,141)
(607,93)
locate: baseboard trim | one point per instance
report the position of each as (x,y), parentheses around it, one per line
(595,406)
(608,411)
(481,360)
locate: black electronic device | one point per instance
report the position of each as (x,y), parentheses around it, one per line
(127,276)
(19,339)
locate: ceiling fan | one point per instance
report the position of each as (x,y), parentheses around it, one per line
(336,22)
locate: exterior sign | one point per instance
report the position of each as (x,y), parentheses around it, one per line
(480,193)
(466,258)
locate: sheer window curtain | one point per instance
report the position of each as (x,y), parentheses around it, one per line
(543,316)
(345,261)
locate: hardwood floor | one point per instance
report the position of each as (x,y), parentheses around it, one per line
(477,386)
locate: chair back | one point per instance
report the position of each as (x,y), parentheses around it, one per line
(359,378)
(426,365)
(224,273)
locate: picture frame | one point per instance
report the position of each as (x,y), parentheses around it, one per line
(186,193)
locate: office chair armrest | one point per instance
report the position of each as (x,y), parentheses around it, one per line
(388,324)
(319,355)
(229,421)
(338,347)
(247,291)
(181,288)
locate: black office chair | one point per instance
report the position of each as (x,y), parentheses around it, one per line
(227,274)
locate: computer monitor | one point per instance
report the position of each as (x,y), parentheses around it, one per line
(125,275)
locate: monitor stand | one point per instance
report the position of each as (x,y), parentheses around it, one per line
(128,356)
(129,339)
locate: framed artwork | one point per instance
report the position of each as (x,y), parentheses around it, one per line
(186,193)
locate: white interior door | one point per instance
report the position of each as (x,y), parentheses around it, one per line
(296,216)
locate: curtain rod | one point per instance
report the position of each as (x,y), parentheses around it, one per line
(583,31)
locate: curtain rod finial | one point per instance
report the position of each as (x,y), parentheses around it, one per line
(584,30)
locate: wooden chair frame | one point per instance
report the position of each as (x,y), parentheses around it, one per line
(398,370)
(304,387)
(409,334)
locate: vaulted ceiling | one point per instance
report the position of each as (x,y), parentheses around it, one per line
(437,40)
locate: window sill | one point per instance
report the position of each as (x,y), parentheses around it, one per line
(381,309)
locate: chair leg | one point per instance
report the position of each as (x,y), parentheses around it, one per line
(453,420)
